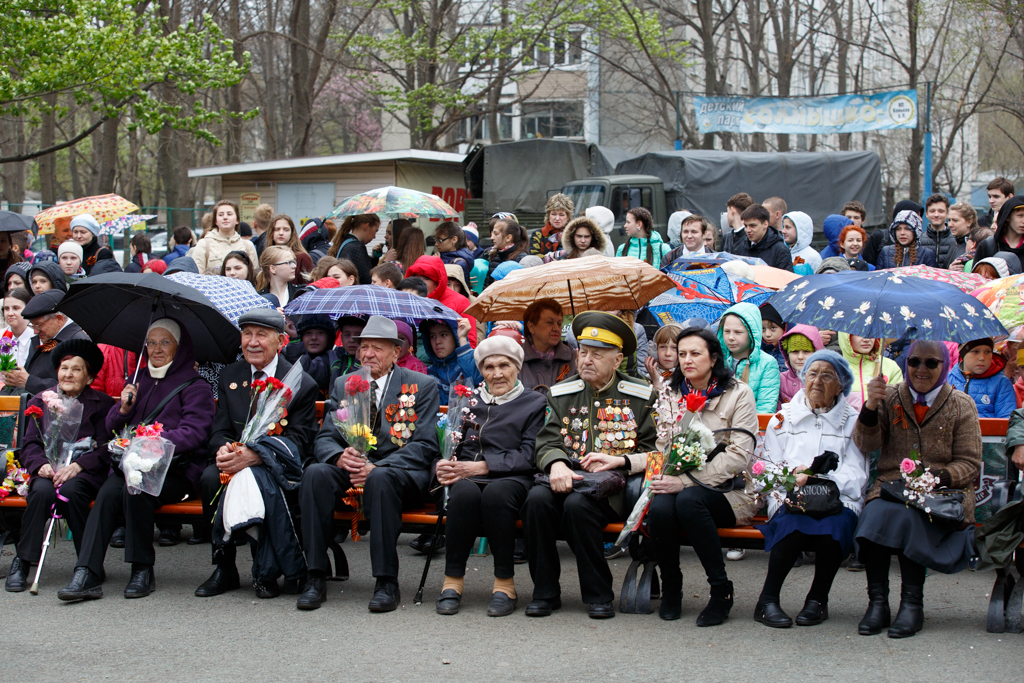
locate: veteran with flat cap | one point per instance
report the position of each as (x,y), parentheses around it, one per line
(599,420)
(51,328)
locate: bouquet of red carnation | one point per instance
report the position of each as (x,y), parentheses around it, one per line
(146,459)
(352,417)
(59,428)
(460,399)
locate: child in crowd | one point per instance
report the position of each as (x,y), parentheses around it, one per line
(863,354)
(740,334)
(665,358)
(980,375)
(772,329)
(413,285)
(797,344)
(386,275)
(347,347)
(318,353)
(407,357)
(451,356)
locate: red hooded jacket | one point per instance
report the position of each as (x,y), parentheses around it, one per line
(432,268)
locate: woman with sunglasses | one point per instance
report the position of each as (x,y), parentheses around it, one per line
(926,416)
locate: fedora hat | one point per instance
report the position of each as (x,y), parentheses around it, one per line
(379,327)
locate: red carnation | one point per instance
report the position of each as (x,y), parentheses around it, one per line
(8,334)
(259,385)
(33,411)
(275,383)
(695,402)
(355,385)
(462,390)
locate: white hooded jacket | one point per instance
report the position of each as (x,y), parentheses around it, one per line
(804,235)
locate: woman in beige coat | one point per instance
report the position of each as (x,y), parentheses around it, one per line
(700,502)
(223,239)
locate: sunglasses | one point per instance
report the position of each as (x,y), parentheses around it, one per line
(929,363)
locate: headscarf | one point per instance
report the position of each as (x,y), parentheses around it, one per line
(922,398)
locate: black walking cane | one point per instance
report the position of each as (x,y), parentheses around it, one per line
(466,423)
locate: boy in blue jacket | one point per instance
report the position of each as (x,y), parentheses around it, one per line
(451,356)
(980,375)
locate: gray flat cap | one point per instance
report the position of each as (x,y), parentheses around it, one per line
(264,317)
(42,304)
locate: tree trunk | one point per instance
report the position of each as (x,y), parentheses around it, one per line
(108,157)
(234,123)
(167,166)
(12,141)
(916,134)
(842,53)
(706,15)
(48,163)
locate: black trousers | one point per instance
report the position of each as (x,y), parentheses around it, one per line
(114,500)
(386,493)
(701,513)
(41,497)
(580,520)
(495,507)
(877,558)
(828,558)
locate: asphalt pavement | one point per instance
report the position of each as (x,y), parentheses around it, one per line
(174,636)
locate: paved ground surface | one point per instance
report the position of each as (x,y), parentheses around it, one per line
(173,636)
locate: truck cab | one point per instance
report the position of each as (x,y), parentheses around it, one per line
(620,193)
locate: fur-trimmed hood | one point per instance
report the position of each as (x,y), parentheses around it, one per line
(598,239)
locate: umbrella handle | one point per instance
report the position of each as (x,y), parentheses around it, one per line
(138,364)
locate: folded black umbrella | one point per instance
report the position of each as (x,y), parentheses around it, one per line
(11,221)
(117,309)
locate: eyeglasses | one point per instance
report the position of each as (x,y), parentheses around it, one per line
(930,363)
(285,263)
(825,377)
(163,345)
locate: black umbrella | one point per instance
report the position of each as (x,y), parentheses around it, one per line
(117,309)
(11,221)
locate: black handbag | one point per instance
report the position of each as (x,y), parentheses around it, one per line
(595,485)
(944,507)
(818,498)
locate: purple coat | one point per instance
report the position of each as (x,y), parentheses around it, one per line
(187,419)
(95,464)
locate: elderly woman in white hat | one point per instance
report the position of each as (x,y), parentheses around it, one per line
(489,482)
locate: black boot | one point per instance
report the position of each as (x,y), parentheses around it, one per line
(142,581)
(813,613)
(769,612)
(878,615)
(224,577)
(671,607)
(718,607)
(314,593)
(117,540)
(910,617)
(17,578)
(386,595)
(84,586)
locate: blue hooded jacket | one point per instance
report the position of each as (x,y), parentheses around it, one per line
(833,227)
(992,391)
(447,371)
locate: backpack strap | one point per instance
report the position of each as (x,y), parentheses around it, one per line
(167,399)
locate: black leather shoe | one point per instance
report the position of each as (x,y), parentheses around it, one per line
(601,610)
(671,607)
(910,617)
(266,589)
(84,586)
(448,602)
(718,607)
(169,537)
(142,581)
(878,615)
(501,605)
(117,540)
(314,593)
(543,608)
(422,543)
(812,614)
(386,596)
(223,579)
(771,614)
(17,578)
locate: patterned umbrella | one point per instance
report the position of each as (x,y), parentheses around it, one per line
(119,225)
(885,305)
(230,296)
(705,294)
(394,202)
(965,282)
(593,283)
(104,207)
(366,300)
(1003,298)
(714,258)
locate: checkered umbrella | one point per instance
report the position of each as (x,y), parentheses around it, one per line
(230,296)
(366,300)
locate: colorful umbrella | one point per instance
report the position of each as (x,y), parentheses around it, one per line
(1003,298)
(708,260)
(394,202)
(366,300)
(965,282)
(885,305)
(119,225)
(104,207)
(230,296)
(775,278)
(705,294)
(593,283)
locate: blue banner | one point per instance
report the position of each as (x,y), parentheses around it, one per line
(839,114)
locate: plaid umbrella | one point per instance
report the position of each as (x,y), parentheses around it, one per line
(366,300)
(705,294)
(230,296)
(394,202)
(104,207)
(119,225)
(965,282)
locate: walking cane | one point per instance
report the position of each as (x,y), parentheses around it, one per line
(466,423)
(79,447)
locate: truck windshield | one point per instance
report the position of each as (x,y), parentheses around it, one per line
(584,196)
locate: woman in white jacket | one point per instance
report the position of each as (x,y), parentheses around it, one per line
(817,420)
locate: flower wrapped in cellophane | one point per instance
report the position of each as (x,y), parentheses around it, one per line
(460,399)
(15,478)
(689,443)
(61,420)
(146,460)
(352,417)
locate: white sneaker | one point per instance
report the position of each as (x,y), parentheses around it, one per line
(735,554)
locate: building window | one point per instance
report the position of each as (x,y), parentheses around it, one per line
(553,120)
(564,49)
(477,127)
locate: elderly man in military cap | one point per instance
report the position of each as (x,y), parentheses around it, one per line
(275,461)
(599,420)
(51,328)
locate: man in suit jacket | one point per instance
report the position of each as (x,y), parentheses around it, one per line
(276,461)
(394,475)
(51,328)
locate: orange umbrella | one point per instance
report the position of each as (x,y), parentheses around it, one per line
(104,207)
(776,278)
(593,283)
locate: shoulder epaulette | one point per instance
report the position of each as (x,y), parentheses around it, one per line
(633,389)
(566,388)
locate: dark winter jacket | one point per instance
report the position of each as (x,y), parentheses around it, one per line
(942,243)
(187,419)
(53,272)
(179,250)
(880,238)
(925,256)
(460,257)
(355,251)
(772,249)
(89,255)
(432,267)
(997,242)
(496,258)
(537,371)
(96,463)
(315,239)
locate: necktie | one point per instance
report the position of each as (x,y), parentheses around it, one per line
(259,374)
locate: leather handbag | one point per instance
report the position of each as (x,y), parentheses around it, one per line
(595,485)
(818,498)
(945,507)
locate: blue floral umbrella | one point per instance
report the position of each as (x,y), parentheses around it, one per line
(705,294)
(230,296)
(886,305)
